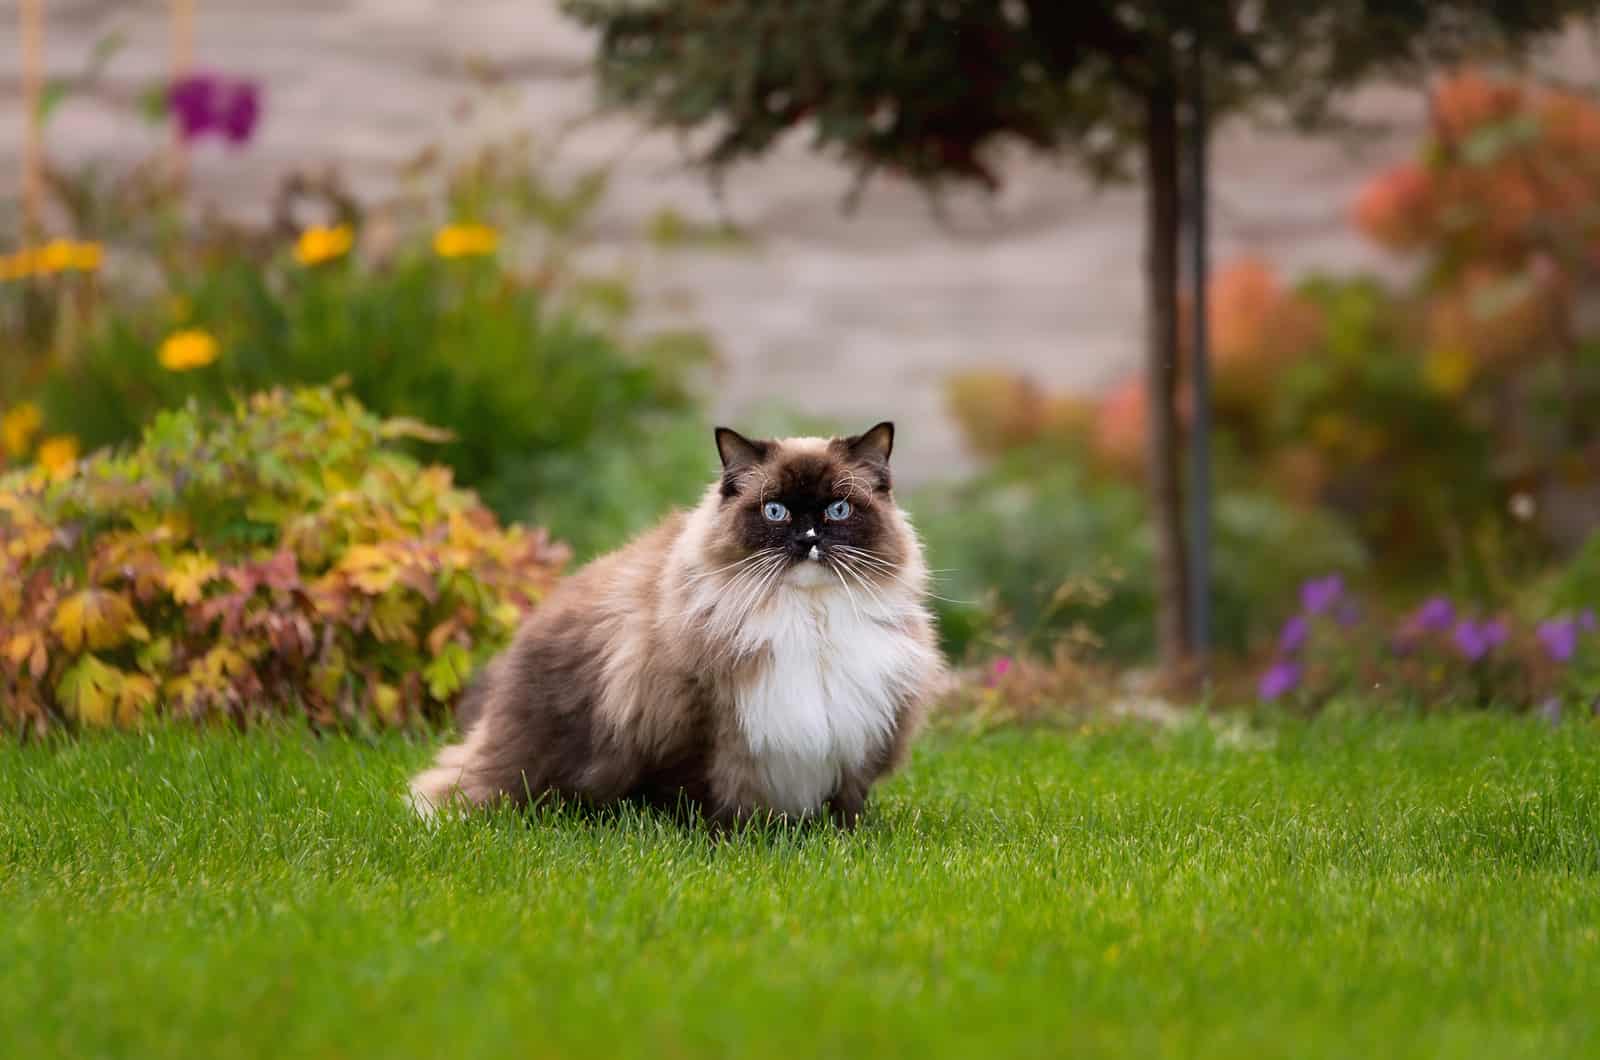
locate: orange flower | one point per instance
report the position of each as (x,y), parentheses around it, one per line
(1120,428)
(318,244)
(1395,209)
(58,455)
(1571,123)
(186,350)
(463,241)
(1467,101)
(17,428)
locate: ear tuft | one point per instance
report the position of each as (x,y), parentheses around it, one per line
(737,451)
(874,446)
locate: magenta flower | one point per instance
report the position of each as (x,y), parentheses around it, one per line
(1560,638)
(1474,640)
(1001,667)
(1280,679)
(1293,636)
(193,100)
(1319,594)
(237,117)
(206,104)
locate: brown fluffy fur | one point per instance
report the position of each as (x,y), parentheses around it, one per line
(719,660)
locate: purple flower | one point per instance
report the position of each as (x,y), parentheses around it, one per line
(207,104)
(1477,639)
(193,101)
(1560,638)
(237,116)
(1435,615)
(1319,594)
(1293,636)
(1281,677)
(1586,621)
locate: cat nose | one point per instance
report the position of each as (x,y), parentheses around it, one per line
(811,533)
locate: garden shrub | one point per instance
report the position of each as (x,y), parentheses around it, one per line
(1037,544)
(284,555)
(535,385)
(475,305)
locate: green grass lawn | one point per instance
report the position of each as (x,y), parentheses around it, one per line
(1355,888)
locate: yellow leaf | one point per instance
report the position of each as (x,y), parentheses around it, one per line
(407,427)
(394,619)
(88,691)
(187,577)
(135,699)
(371,569)
(96,617)
(29,649)
(19,647)
(386,700)
(224,662)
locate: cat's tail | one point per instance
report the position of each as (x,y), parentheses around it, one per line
(443,784)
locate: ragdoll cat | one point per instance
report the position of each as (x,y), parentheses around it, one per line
(766,653)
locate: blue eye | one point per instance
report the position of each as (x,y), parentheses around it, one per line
(775,512)
(838,511)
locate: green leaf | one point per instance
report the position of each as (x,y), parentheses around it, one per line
(447,674)
(54,94)
(153,105)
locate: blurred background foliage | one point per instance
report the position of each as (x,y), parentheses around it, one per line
(1436,435)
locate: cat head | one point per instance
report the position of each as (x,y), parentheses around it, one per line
(819,510)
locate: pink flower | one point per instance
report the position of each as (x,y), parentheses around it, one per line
(1001,667)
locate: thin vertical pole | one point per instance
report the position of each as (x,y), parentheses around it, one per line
(31,14)
(1200,368)
(182,61)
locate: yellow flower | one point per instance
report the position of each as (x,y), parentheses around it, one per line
(318,244)
(185,350)
(58,455)
(1448,370)
(86,257)
(58,255)
(17,428)
(19,266)
(460,241)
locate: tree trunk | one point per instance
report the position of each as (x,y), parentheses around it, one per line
(1162,175)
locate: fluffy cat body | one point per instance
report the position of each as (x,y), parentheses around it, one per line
(767,652)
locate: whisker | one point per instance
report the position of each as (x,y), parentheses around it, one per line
(863,582)
(703,575)
(759,594)
(877,565)
(853,607)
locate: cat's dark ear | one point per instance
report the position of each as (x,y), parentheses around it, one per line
(737,451)
(874,446)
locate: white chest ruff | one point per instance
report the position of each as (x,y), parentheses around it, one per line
(825,697)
